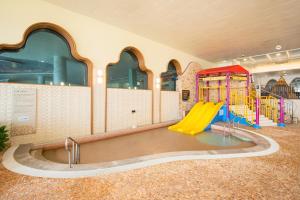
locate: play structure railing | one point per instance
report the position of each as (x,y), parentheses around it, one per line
(275,104)
(232,86)
(269,107)
(237,96)
(244,106)
(241,104)
(204,93)
(250,106)
(250,110)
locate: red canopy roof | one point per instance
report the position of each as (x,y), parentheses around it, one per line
(234,69)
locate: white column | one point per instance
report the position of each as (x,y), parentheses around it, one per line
(59,70)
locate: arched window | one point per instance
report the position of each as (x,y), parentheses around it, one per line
(127,73)
(44,57)
(168,78)
(295,84)
(270,85)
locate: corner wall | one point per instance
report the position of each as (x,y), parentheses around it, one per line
(187,81)
(100,42)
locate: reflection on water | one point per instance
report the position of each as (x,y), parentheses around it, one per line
(217,139)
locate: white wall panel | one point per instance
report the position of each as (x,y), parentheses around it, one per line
(120,103)
(61,111)
(169,106)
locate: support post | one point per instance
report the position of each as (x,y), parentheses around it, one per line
(207,96)
(197,89)
(281,112)
(219,93)
(40,79)
(59,70)
(247,85)
(132,78)
(257,110)
(227,95)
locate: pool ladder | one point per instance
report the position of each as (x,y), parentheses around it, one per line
(73,149)
(237,123)
(230,125)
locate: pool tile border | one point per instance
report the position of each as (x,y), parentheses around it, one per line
(19,159)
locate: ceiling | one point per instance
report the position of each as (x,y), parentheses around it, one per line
(213,30)
(276,57)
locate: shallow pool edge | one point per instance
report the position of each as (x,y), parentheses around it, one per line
(11,163)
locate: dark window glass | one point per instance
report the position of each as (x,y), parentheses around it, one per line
(126,73)
(295,84)
(45,59)
(168,78)
(270,85)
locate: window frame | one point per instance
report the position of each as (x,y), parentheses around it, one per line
(62,32)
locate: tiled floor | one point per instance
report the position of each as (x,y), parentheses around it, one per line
(271,177)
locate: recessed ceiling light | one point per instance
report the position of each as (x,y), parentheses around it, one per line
(224,60)
(278,47)
(284,73)
(278,54)
(245,59)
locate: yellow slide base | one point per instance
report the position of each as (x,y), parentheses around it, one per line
(188,117)
(198,118)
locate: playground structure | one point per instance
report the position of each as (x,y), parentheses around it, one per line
(226,94)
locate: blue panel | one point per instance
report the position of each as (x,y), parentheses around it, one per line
(221,117)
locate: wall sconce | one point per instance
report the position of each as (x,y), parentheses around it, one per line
(99,80)
(99,72)
(157,83)
(99,76)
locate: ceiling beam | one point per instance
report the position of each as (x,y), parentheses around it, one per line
(288,54)
(269,57)
(252,59)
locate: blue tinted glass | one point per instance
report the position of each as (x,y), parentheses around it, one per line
(126,73)
(295,84)
(45,59)
(168,78)
(270,84)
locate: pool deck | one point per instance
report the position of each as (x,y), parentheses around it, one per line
(276,176)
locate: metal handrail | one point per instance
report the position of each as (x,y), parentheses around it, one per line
(75,150)
(227,125)
(233,122)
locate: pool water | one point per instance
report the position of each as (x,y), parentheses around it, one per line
(218,139)
(145,143)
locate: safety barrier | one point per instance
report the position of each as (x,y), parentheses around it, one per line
(243,101)
(269,107)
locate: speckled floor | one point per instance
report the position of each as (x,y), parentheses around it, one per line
(271,177)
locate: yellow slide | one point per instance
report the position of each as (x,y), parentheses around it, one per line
(198,118)
(192,112)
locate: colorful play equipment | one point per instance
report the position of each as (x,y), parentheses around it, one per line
(226,94)
(198,118)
